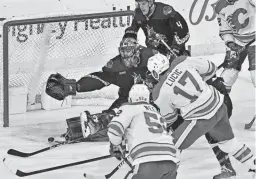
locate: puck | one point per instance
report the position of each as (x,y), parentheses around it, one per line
(50,139)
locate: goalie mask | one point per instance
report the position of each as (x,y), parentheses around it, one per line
(129,52)
(139,93)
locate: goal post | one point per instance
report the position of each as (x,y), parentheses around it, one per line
(73,45)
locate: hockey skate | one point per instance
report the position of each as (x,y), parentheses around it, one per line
(227,172)
(252,171)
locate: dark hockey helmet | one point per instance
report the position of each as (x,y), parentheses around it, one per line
(231,1)
(128,50)
(145,0)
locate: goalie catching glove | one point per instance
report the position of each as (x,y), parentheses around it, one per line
(59,87)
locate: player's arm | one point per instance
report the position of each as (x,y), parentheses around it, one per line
(122,98)
(98,80)
(225,31)
(207,70)
(59,87)
(133,29)
(179,27)
(118,125)
(167,111)
(204,67)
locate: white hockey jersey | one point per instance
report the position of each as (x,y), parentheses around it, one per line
(236,21)
(183,87)
(145,131)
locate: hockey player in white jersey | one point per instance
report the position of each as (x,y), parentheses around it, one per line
(236,20)
(150,147)
(182,86)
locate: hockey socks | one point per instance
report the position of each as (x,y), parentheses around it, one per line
(221,156)
(243,154)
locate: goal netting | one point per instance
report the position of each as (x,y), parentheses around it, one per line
(73,45)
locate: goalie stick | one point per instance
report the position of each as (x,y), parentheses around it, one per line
(109,175)
(21,173)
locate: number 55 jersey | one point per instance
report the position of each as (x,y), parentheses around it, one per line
(183,87)
(144,129)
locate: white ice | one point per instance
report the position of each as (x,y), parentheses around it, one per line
(29,132)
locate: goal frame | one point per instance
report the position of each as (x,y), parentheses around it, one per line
(51,19)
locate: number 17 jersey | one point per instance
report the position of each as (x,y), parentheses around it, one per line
(183,87)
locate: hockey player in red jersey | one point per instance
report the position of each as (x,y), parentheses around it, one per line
(123,70)
(160,21)
(182,85)
(236,20)
(140,125)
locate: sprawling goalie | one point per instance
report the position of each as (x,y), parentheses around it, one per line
(123,71)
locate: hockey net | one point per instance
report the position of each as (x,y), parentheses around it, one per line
(73,45)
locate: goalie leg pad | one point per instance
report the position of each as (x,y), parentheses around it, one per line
(74,128)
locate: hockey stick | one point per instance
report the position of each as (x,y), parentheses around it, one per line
(249,125)
(23,154)
(24,174)
(239,51)
(109,175)
(169,48)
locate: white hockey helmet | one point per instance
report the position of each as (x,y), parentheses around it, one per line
(158,64)
(139,93)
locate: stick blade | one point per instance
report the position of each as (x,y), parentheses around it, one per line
(21,173)
(249,125)
(17,153)
(90,176)
(9,165)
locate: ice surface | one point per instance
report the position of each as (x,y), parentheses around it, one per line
(29,132)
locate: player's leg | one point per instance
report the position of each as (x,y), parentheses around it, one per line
(190,130)
(231,70)
(223,158)
(226,167)
(228,143)
(155,170)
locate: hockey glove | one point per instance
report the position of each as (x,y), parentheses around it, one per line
(59,87)
(117,151)
(176,50)
(234,48)
(218,84)
(231,61)
(106,117)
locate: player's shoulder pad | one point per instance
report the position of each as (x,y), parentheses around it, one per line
(165,10)
(145,54)
(138,15)
(128,108)
(112,64)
